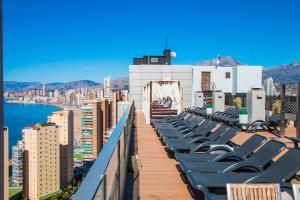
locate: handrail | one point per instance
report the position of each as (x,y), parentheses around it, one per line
(91,183)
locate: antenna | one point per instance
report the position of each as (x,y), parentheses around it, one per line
(218,61)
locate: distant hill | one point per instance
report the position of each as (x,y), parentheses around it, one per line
(15,86)
(72,85)
(118,84)
(288,73)
(225,61)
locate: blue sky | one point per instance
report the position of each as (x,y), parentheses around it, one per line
(65,40)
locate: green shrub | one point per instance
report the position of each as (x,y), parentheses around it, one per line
(276,107)
(237,102)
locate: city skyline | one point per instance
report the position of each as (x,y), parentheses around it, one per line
(91,38)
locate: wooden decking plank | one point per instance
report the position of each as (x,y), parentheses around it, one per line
(159,178)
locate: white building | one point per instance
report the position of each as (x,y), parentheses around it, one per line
(17,164)
(107,86)
(270,87)
(141,75)
(192,79)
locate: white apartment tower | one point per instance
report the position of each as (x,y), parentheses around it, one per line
(44,90)
(17,164)
(107,86)
(269,87)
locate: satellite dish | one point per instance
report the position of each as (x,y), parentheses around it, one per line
(173,54)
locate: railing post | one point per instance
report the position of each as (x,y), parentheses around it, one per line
(298,112)
(104,187)
(119,170)
(282,99)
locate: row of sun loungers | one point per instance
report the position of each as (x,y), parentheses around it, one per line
(231,117)
(208,159)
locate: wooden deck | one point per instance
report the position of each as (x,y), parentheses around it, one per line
(159,178)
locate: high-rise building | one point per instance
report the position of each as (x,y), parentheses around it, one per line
(107,114)
(114,107)
(270,87)
(44,90)
(17,164)
(41,160)
(107,86)
(65,122)
(91,130)
(6,164)
(122,106)
(56,93)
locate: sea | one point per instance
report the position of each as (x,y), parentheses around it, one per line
(18,116)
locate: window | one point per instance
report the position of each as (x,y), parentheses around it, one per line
(227,75)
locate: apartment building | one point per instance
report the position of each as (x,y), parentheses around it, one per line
(6,165)
(17,164)
(41,160)
(91,130)
(65,122)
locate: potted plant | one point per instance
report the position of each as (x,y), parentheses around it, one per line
(209,109)
(243,115)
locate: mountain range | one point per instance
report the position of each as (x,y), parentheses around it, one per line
(287,73)
(118,84)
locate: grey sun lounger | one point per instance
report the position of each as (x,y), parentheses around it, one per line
(182,128)
(282,170)
(170,119)
(221,153)
(255,163)
(180,120)
(203,129)
(272,125)
(204,135)
(193,146)
(192,122)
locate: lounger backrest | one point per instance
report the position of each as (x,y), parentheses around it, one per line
(218,132)
(285,167)
(266,153)
(206,130)
(250,145)
(201,126)
(194,122)
(188,118)
(227,136)
(276,119)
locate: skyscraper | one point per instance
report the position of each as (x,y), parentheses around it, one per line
(270,87)
(114,109)
(65,121)
(41,160)
(17,164)
(106,109)
(44,90)
(6,164)
(91,130)
(107,86)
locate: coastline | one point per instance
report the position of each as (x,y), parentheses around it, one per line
(62,106)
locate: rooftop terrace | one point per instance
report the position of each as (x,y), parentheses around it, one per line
(158,176)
